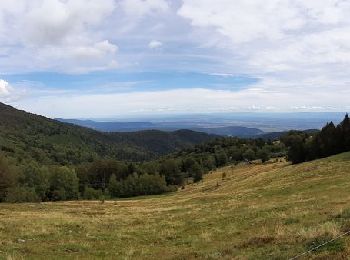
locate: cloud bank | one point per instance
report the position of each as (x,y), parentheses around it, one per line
(55,35)
(300,51)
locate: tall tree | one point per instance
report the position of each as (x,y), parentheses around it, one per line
(344,128)
(64,184)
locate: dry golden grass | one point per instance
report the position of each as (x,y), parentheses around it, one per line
(270,211)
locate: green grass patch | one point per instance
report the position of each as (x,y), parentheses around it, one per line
(322,243)
(270,211)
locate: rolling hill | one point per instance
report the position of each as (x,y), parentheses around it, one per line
(258,211)
(26,136)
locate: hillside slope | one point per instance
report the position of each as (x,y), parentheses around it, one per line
(161,142)
(263,211)
(27,136)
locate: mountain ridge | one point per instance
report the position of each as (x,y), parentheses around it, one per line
(25,135)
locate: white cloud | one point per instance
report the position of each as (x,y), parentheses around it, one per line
(188,101)
(245,21)
(155,44)
(96,51)
(4,88)
(139,8)
(297,47)
(278,35)
(12,93)
(54,21)
(54,35)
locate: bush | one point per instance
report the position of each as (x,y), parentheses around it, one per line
(263,154)
(135,185)
(22,194)
(92,194)
(249,154)
(171,170)
(221,158)
(196,172)
(223,175)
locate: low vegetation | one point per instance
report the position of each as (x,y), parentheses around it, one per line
(248,211)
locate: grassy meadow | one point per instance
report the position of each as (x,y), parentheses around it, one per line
(263,211)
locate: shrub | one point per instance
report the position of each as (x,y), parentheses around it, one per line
(22,194)
(134,185)
(92,194)
(263,154)
(171,170)
(223,175)
(249,154)
(221,158)
(197,172)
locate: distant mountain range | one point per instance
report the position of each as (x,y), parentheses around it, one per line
(277,135)
(237,131)
(111,126)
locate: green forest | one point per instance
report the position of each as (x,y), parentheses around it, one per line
(329,141)
(46,160)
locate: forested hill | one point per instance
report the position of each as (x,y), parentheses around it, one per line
(162,142)
(26,136)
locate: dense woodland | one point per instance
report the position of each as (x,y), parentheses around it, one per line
(45,160)
(110,178)
(331,140)
(29,137)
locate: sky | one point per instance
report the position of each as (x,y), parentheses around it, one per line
(109,58)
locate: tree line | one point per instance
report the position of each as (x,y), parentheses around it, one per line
(108,178)
(329,141)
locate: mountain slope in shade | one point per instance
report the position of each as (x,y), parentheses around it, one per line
(162,142)
(26,136)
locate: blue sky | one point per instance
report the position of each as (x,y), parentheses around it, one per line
(115,81)
(106,58)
